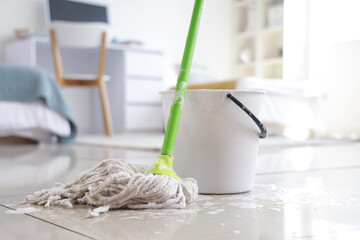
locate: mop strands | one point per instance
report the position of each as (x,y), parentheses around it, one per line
(113,184)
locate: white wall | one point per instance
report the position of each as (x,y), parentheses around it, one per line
(161,24)
(334,50)
(296,40)
(164,24)
(18,14)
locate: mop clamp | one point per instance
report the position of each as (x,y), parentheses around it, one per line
(163,166)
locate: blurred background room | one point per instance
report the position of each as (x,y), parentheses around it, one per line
(80,82)
(303,53)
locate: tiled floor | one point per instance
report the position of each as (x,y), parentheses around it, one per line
(300,193)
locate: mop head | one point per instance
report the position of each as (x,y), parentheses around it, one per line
(113,184)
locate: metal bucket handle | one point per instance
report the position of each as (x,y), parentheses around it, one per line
(248,112)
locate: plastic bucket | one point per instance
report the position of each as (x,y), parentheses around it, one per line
(218,138)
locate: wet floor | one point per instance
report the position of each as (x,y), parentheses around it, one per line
(306,192)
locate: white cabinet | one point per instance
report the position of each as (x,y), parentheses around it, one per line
(143,64)
(258,40)
(143,117)
(143,91)
(143,80)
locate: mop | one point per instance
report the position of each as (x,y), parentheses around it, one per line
(114,184)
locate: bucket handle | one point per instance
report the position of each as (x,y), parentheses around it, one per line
(248,112)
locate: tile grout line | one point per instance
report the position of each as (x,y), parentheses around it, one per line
(331,232)
(301,145)
(43,220)
(309,170)
(131,148)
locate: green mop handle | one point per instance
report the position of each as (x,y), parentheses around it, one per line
(175,113)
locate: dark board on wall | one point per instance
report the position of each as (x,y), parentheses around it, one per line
(77,11)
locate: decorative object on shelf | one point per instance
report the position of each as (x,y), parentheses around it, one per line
(258,38)
(22,33)
(130,42)
(251,16)
(275,15)
(246,55)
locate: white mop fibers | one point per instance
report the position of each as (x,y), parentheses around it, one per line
(118,184)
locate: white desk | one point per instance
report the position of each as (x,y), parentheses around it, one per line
(136,78)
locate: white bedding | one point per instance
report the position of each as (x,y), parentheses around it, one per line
(31,120)
(287,103)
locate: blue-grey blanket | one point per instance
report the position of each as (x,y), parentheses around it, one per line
(23,83)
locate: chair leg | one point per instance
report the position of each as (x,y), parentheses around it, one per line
(106,109)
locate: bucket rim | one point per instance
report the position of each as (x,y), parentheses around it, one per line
(219,90)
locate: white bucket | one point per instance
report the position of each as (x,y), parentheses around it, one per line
(217,142)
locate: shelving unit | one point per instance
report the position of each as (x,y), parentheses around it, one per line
(258,38)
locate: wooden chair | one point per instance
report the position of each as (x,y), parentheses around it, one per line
(83,35)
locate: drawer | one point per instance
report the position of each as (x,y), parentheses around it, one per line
(139,117)
(142,64)
(143,91)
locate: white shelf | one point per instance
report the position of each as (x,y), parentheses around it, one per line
(246,65)
(272,61)
(272,30)
(241,4)
(245,35)
(266,43)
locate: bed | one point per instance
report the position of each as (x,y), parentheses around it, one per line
(32,106)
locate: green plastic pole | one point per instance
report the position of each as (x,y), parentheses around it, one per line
(176,108)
